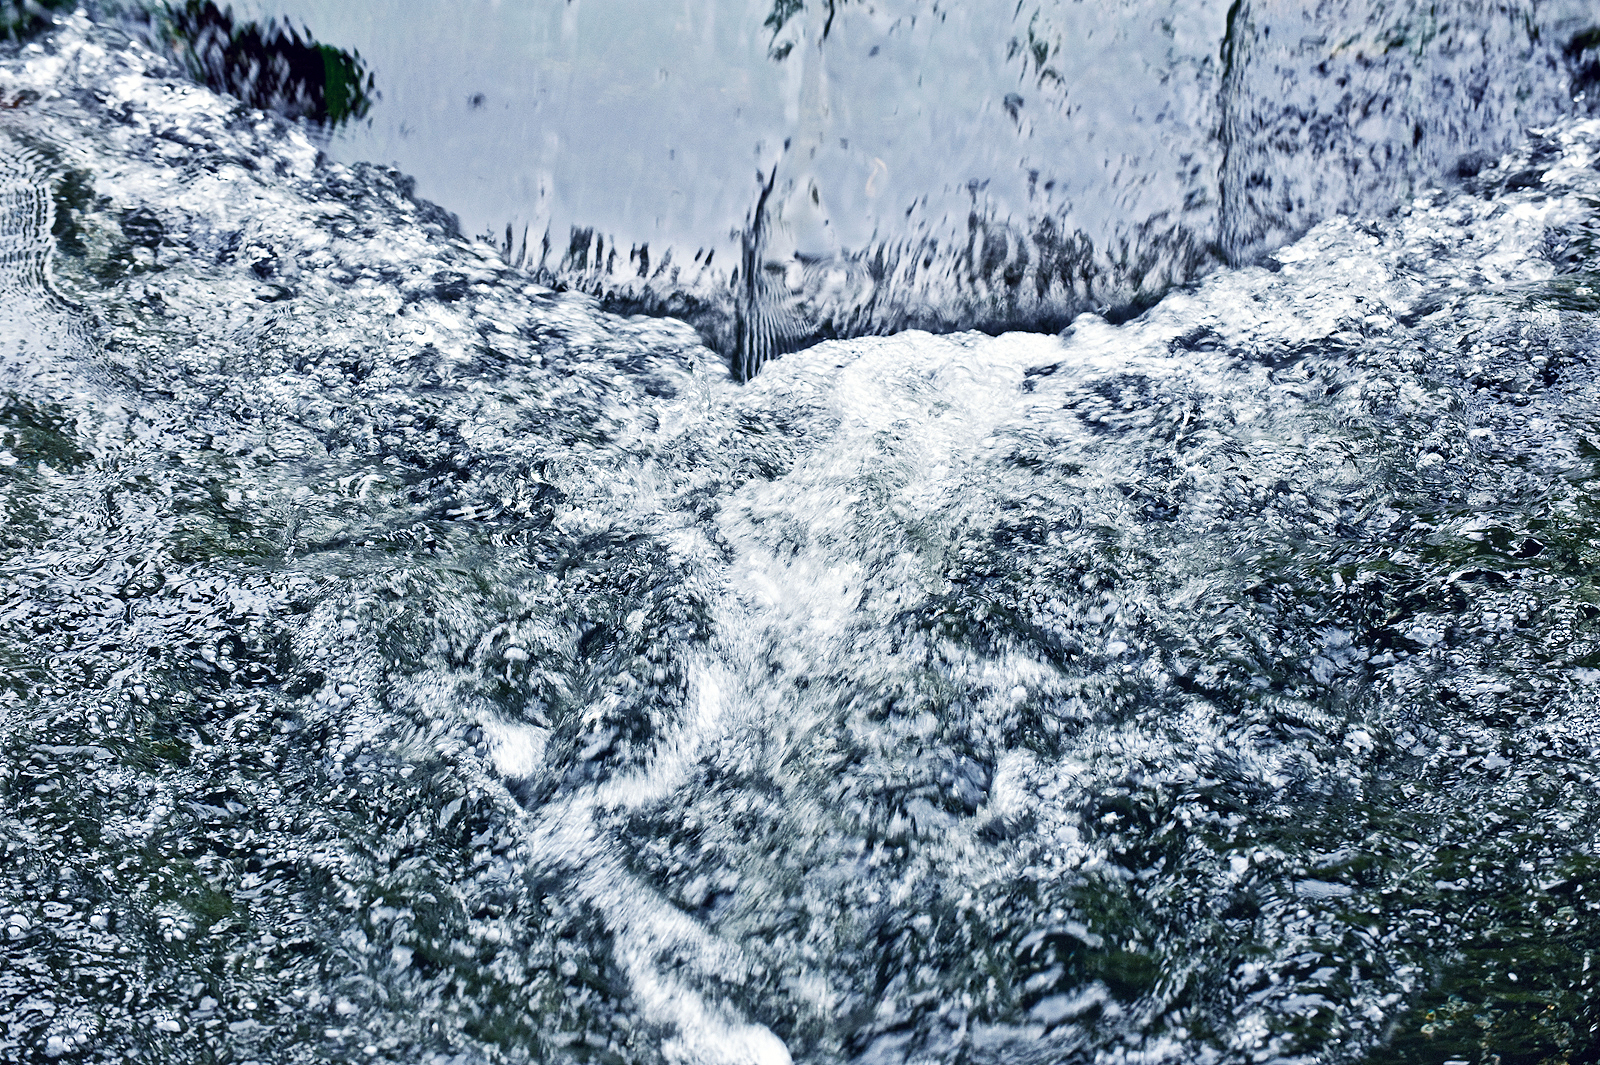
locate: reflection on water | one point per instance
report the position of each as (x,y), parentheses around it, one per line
(267,66)
(21,19)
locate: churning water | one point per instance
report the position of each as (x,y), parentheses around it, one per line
(403,661)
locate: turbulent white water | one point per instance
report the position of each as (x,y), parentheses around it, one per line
(403,662)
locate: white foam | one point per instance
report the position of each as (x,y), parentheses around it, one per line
(517,750)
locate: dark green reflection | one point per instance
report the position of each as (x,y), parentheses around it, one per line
(272,67)
(21,19)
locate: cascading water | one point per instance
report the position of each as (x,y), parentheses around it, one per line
(404,662)
(777,172)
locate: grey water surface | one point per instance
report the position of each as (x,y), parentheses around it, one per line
(404,661)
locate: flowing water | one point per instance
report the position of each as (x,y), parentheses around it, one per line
(403,661)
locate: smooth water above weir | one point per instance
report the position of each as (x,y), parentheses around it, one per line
(649,124)
(776,172)
(403,661)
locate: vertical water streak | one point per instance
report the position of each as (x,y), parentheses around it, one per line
(788,236)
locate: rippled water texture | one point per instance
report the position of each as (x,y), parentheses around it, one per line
(401,662)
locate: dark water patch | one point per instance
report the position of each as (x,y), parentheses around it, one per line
(1583,53)
(23,19)
(1522,988)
